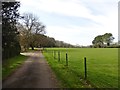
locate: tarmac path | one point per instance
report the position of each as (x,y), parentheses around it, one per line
(34,73)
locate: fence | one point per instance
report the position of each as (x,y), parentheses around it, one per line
(57,56)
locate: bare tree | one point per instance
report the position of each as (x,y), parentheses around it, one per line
(39,28)
(31,26)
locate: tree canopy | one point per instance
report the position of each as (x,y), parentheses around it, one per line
(108,38)
(101,40)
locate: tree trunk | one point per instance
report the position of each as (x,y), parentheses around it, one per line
(32,48)
(108,44)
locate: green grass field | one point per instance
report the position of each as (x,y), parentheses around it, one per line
(102,67)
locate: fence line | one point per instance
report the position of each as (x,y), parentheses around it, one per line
(66,60)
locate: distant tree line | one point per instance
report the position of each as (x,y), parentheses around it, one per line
(63,44)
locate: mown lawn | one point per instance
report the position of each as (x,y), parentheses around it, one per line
(102,67)
(11,65)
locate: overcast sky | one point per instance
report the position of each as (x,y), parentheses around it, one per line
(75,21)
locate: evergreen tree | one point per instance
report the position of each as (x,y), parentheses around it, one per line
(10,43)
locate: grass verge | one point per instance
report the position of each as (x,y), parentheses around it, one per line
(11,65)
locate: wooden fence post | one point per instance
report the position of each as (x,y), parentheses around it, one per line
(54,54)
(85,66)
(66,59)
(58,56)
